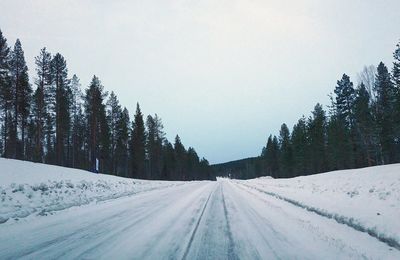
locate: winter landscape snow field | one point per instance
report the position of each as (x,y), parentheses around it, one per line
(51,212)
(367,199)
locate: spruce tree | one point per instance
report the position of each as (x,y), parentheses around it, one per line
(4,61)
(169,162)
(206,172)
(180,157)
(6,97)
(122,144)
(339,148)
(396,82)
(40,106)
(343,124)
(300,144)
(30,138)
(105,162)
(345,95)
(113,115)
(22,91)
(77,124)
(317,140)
(272,157)
(62,96)
(396,67)
(385,110)
(365,128)
(138,146)
(54,125)
(286,153)
(155,138)
(192,165)
(95,114)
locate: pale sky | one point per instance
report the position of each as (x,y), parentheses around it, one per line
(222,74)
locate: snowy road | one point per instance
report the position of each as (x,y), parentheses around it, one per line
(197,220)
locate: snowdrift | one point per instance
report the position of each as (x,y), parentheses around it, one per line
(366,199)
(28,188)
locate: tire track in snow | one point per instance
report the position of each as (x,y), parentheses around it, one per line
(231,246)
(197,226)
(45,245)
(254,218)
(179,215)
(350,222)
(86,231)
(111,234)
(126,228)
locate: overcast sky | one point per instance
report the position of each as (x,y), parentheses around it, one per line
(221,74)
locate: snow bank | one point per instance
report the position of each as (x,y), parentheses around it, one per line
(366,199)
(27,188)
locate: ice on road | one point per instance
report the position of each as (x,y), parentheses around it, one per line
(195,220)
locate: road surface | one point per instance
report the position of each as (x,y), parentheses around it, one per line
(196,220)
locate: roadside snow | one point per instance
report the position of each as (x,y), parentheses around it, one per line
(27,188)
(228,219)
(367,199)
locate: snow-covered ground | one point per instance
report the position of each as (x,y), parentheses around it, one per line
(227,219)
(367,199)
(28,188)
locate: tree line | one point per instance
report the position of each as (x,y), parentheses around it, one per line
(58,123)
(247,168)
(361,128)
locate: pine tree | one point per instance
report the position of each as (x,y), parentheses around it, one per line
(272,157)
(79,141)
(345,96)
(113,115)
(317,140)
(138,144)
(169,162)
(385,110)
(95,115)
(30,139)
(4,60)
(300,144)
(39,114)
(40,107)
(180,157)
(6,97)
(192,165)
(155,139)
(122,141)
(396,67)
(286,153)
(343,124)
(57,125)
(339,148)
(105,142)
(77,128)
(396,82)
(151,146)
(206,172)
(365,128)
(62,98)
(22,91)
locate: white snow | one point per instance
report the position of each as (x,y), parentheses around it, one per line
(367,198)
(31,188)
(101,217)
